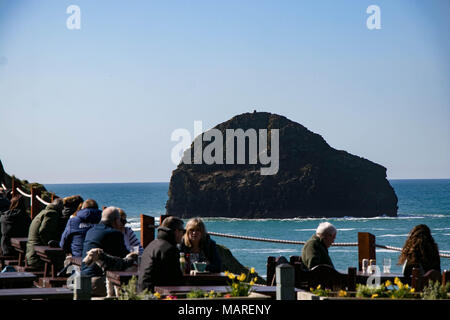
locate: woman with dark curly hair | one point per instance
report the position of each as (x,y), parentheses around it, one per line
(420,251)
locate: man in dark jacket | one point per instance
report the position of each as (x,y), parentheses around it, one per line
(43,228)
(315,251)
(106,236)
(75,232)
(160,262)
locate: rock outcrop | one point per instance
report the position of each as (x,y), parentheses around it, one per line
(24,185)
(313,179)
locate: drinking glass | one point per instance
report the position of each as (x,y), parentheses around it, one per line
(386,265)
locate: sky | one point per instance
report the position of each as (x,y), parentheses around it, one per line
(99,103)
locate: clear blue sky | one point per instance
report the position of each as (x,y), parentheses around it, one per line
(99,104)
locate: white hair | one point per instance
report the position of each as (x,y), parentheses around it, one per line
(325,228)
(110,214)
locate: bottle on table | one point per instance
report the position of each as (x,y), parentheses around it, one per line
(182,262)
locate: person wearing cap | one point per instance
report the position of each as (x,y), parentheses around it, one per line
(107,236)
(160,262)
(315,251)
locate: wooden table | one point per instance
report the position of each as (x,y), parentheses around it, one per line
(16,279)
(36,293)
(213,279)
(20,245)
(53,257)
(167,290)
(362,277)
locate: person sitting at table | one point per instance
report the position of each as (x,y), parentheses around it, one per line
(74,234)
(14,224)
(43,229)
(71,205)
(129,236)
(315,250)
(420,251)
(160,264)
(105,235)
(200,247)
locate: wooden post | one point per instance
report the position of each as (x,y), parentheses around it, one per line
(285,282)
(351,281)
(270,270)
(366,247)
(13,186)
(36,205)
(162,217)
(416,280)
(147,230)
(445,277)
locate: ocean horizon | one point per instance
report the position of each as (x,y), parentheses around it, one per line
(421,201)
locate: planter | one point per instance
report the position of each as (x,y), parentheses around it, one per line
(251,296)
(305,295)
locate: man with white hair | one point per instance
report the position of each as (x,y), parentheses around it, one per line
(315,251)
(107,236)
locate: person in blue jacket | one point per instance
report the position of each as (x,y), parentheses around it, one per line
(74,234)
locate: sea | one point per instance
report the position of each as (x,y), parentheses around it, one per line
(419,201)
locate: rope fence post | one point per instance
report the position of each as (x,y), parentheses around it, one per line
(13,186)
(36,206)
(366,247)
(147,229)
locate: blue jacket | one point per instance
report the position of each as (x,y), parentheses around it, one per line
(73,236)
(106,238)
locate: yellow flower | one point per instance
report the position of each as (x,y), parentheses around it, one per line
(342,293)
(252,270)
(388,283)
(318,287)
(406,286)
(374,295)
(157,295)
(252,283)
(412,290)
(231,276)
(397,280)
(226,273)
(255,279)
(235,285)
(242,277)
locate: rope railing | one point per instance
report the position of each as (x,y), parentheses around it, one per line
(342,244)
(42,201)
(23,193)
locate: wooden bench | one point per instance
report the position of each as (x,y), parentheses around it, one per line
(20,245)
(36,293)
(16,280)
(8,260)
(418,281)
(52,257)
(327,277)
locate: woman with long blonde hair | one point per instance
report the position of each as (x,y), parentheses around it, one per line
(200,247)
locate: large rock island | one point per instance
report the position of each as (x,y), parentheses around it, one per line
(313,179)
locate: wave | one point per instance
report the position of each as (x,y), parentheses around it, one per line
(402,216)
(264,250)
(392,235)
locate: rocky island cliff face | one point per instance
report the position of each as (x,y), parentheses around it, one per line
(312,179)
